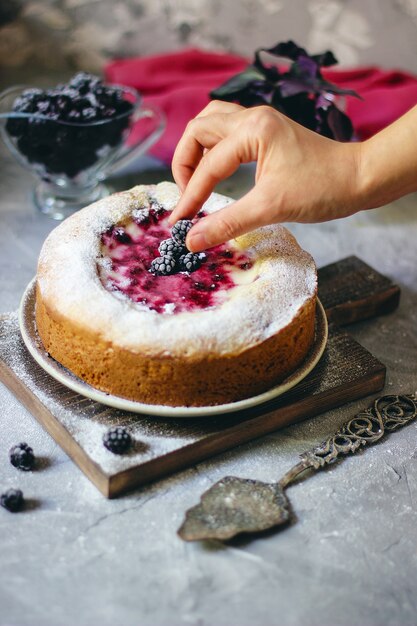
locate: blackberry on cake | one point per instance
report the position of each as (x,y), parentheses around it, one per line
(169,247)
(22,457)
(163,265)
(233,328)
(121,235)
(189,262)
(12,500)
(180,230)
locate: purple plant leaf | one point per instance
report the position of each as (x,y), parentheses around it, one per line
(324,100)
(291,87)
(305,68)
(326,59)
(238,83)
(270,73)
(339,124)
(300,108)
(285,49)
(332,88)
(288,50)
(300,92)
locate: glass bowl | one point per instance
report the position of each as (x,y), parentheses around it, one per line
(71,159)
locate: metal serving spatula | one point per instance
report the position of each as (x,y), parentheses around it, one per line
(238,505)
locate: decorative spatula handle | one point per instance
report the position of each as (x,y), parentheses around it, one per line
(366,428)
(241,505)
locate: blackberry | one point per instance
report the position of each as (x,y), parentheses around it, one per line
(163,266)
(141,217)
(84,82)
(12,500)
(169,247)
(121,235)
(180,229)
(89,113)
(189,262)
(117,440)
(23,105)
(22,457)
(156,212)
(70,149)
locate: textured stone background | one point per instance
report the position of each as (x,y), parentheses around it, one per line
(66,34)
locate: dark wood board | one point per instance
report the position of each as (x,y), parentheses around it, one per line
(350,291)
(346,372)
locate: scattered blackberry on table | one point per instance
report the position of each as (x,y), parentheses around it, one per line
(180,229)
(189,262)
(22,457)
(12,500)
(169,247)
(163,266)
(117,440)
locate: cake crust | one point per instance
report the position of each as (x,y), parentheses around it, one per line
(242,347)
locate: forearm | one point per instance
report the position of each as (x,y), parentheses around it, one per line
(388,162)
(300,176)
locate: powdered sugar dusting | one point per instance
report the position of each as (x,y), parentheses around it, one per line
(69,283)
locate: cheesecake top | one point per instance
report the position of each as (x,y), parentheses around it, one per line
(94,270)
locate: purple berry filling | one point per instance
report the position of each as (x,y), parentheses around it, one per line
(129,251)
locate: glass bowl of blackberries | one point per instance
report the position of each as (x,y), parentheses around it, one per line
(73,136)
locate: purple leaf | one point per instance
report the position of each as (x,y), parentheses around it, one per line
(340,124)
(326,59)
(300,92)
(286,49)
(305,67)
(238,83)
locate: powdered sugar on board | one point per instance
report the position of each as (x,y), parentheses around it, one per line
(85,420)
(70,285)
(345,364)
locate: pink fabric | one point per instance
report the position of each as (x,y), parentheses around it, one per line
(387,94)
(179,83)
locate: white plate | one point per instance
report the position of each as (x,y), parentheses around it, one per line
(64,376)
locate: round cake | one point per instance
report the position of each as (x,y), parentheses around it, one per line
(224,325)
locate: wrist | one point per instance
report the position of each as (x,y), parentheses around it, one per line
(368,183)
(387,164)
(368,186)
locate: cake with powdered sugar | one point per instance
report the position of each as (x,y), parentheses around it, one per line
(122,303)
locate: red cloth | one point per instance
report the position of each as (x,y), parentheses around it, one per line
(179,83)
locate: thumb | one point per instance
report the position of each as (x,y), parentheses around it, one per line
(236,219)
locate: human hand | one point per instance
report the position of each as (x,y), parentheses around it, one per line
(300,176)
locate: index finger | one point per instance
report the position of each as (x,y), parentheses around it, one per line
(202,134)
(216,165)
(189,152)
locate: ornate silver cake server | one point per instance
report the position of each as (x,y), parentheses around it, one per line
(237,505)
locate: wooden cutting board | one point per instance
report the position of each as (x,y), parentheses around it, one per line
(350,291)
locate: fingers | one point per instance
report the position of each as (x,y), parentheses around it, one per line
(239,218)
(218,106)
(190,149)
(208,152)
(201,133)
(187,156)
(217,164)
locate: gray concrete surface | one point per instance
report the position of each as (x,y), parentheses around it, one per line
(350,559)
